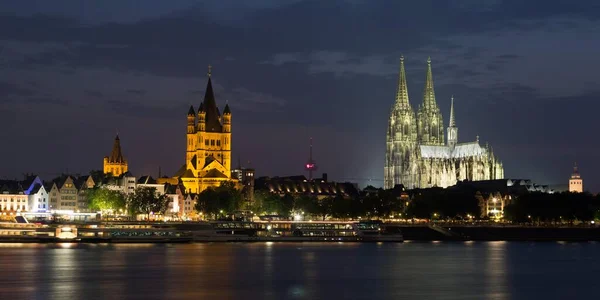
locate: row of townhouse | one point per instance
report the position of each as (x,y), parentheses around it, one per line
(69,193)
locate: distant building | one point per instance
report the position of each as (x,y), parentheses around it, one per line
(69,193)
(83,183)
(575,182)
(115,164)
(245,176)
(23,196)
(299,185)
(494,195)
(38,200)
(149,182)
(208,149)
(418,156)
(125,183)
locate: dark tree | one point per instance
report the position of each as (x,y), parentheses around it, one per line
(145,200)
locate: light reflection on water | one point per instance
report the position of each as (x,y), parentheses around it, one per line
(435,270)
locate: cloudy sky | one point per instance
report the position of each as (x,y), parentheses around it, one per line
(523,75)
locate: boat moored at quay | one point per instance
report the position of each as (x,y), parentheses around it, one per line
(217,231)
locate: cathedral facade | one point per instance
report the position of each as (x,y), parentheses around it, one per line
(208,149)
(417,153)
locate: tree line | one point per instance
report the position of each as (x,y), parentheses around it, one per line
(435,203)
(143,201)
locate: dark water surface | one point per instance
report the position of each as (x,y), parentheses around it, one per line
(471,270)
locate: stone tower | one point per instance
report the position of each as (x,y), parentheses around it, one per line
(401,137)
(575,182)
(429,118)
(115,164)
(452,129)
(208,149)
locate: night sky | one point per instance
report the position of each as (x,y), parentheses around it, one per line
(524,75)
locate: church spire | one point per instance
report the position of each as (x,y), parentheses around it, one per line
(116,156)
(402,92)
(452,122)
(429,93)
(209,105)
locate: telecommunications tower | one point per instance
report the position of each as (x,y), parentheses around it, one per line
(311,165)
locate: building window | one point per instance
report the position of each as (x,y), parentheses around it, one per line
(212,142)
(218,142)
(206,142)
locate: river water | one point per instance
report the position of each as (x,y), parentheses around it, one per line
(436,270)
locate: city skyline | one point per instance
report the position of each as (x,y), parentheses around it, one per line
(74,76)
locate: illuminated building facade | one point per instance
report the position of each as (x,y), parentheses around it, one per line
(21,196)
(115,164)
(417,154)
(575,182)
(300,185)
(245,177)
(69,193)
(208,149)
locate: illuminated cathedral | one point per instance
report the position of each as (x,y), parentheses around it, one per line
(208,149)
(417,153)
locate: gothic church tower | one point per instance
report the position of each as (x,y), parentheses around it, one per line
(452,129)
(115,164)
(429,118)
(208,149)
(401,136)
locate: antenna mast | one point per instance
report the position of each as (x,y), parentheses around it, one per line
(311,165)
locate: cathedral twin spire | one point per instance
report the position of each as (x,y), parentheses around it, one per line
(402,92)
(429,93)
(429,118)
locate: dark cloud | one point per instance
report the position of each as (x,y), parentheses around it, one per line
(96,94)
(294,69)
(10,89)
(46,100)
(143,110)
(507,56)
(136,92)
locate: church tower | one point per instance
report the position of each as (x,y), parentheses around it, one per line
(576,182)
(115,164)
(208,154)
(191,133)
(401,137)
(429,118)
(452,129)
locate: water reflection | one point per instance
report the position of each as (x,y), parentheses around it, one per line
(495,271)
(416,270)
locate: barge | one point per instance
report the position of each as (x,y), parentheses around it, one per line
(218,231)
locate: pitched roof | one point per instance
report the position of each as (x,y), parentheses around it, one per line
(188,174)
(191,112)
(213,124)
(181,171)
(227,110)
(214,173)
(459,151)
(146,180)
(116,156)
(297,185)
(11,187)
(36,188)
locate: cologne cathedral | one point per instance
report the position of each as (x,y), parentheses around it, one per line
(418,155)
